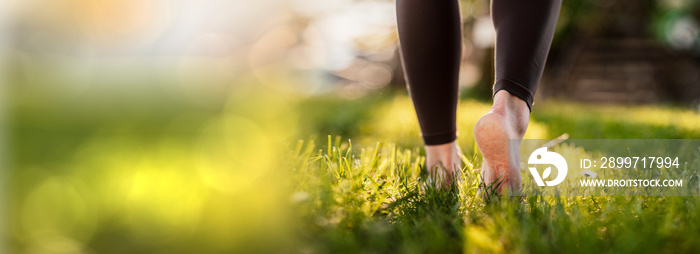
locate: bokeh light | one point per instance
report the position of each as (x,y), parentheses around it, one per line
(159,126)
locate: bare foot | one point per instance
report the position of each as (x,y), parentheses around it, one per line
(507,120)
(442,162)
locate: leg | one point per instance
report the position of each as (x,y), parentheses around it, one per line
(430,34)
(524,31)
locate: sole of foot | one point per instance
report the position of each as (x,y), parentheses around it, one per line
(494,132)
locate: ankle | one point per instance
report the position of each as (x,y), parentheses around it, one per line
(448,154)
(514,109)
(504,100)
(441,148)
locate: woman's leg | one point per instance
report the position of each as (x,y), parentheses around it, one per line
(524,31)
(430,33)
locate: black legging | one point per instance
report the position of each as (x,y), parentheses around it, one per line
(430,36)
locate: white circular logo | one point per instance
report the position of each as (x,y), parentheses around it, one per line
(542,156)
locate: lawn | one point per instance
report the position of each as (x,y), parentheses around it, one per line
(267,173)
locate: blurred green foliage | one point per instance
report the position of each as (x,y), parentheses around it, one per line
(170,179)
(207,158)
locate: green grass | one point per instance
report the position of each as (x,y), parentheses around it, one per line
(374,206)
(262,175)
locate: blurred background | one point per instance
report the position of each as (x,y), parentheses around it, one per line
(147,126)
